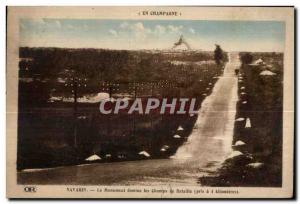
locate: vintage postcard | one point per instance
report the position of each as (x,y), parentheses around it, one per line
(150,102)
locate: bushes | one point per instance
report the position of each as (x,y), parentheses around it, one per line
(246,58)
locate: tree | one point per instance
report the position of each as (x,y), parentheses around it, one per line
(219,55)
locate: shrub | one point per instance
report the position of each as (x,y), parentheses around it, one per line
(246,58)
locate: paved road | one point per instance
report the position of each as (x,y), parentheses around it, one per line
(207,147)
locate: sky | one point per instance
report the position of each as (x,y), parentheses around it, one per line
(153,34)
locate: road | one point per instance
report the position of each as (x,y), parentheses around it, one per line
(207,147)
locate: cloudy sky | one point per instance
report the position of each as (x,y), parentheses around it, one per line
(152,34)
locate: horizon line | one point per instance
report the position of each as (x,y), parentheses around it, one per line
(156,49)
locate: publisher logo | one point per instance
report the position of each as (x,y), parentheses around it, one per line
(30,189)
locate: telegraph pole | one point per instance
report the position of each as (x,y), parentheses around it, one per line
(75,89)
(74,83)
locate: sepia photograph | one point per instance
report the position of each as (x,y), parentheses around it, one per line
(150,102)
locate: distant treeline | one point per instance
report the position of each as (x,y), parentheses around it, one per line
(100,64)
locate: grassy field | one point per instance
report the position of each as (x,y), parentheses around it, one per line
(51,133)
